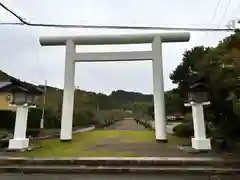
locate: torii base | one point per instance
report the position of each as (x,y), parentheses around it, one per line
(162,140)
(66,140)
(18,144)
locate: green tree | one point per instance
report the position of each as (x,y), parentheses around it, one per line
(220,68)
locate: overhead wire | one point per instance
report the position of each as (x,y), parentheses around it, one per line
(28,23)
(212,19)
(234,16)
(215,12)
(236,12)
(225,11)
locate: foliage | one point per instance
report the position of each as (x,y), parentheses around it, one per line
(88,106)
(34,116)
(220,67)
(174,104)
(151,111)
(146,123)
(83,118)
(183,130)
(7,119)
(188,117)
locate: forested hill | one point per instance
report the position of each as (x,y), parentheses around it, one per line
(116,100)
(119,99)
(89,101)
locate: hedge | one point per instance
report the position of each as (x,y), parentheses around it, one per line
(183,130)
(145,123)
(34,117)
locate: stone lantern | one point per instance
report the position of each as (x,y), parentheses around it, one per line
(197,98)
(23,96)
(198,93)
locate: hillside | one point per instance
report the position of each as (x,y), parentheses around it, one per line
(89,100)
(90,106)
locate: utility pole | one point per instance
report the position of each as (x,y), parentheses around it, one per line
(98,109)
(97,106)
(233,24)
(41,132)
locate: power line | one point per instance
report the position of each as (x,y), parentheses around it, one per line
(215,12)
(10,23)
(236,11)
(225,11)
(24,22)
(214,15)
(118,27)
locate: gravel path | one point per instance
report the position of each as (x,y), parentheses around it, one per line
(126,124)
(124,143)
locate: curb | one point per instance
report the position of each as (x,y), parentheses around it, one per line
(110,169)
(58,134)
(84,129)
(120,165)
(112,161)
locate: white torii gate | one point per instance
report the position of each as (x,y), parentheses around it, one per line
(155,54)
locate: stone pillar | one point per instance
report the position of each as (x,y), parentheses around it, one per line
(19,140)
(199,142)
(68,93)
(158,91)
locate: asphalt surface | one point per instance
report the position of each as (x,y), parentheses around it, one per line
(115,177)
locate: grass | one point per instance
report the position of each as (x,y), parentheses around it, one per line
(83,144)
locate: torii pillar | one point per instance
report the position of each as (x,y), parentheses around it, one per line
(155,55)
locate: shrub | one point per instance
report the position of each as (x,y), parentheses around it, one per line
(34,116)
(146,124)
(83,118)
(186,128)
(188,118)
(7,119)
(183,130)
(51,120)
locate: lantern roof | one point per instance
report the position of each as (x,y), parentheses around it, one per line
(198,87)
(197,83)
(195,78)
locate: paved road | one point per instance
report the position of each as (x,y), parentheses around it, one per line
(126,124)
(115,177)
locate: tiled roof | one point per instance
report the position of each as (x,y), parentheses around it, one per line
(4,83)
(8,82)
(5,77)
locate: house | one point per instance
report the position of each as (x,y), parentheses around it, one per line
(9,84)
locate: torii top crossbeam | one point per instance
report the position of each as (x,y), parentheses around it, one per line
(114,39)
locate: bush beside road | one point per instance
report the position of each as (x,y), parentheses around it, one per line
(149,124)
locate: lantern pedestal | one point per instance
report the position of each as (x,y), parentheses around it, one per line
(199,142)
(19,140)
